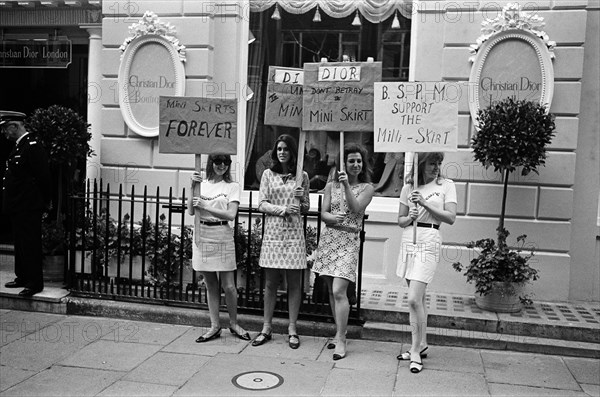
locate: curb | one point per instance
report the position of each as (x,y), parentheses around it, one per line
(442,330)
(482,340)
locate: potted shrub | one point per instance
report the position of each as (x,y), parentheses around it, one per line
(510,134)
(53,248)
(66,137)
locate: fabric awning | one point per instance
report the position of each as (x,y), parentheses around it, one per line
(374,11)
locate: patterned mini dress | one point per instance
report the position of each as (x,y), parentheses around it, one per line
(283,244)
(339,245)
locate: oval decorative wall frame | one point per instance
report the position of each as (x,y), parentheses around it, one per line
(511,63)
(150,67)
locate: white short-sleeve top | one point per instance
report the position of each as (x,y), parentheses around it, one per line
(437,193)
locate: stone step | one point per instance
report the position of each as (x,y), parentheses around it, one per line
(578,321)
(481,340)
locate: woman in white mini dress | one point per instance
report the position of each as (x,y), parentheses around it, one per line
(283,249)
(435,199)
(344,206)
(213,252)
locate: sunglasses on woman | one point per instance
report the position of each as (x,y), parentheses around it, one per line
(221,161)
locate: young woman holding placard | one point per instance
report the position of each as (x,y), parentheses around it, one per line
(425,206)
(283,250)
(344,205)
(213,252)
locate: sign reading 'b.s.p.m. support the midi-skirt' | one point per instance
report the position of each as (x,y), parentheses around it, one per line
(416,116)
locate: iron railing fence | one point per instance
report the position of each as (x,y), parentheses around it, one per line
(137,247)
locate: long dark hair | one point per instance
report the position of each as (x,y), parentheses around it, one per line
(293,148)
(210,171)
(352,147)
(423,159)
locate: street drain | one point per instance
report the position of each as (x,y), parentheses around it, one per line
(257,380)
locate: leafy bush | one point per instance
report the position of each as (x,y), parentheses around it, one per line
(498,263)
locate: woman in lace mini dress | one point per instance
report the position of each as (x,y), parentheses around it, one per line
(343,209)
(283,250)
(213,252)
(433,202)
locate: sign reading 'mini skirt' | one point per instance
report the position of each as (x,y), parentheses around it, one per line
(512,58)
(151,66)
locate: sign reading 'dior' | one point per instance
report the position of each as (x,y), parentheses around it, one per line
(197,125)
(284,97)
(416,117)
(339,96)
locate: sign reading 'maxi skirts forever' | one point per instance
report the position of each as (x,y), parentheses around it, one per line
(197,125)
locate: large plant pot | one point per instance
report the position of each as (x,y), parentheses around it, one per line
(504,298)
(54,267)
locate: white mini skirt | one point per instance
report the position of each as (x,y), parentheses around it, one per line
(419,261)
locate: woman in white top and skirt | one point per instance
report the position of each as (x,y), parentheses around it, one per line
(213,252)
(435,199)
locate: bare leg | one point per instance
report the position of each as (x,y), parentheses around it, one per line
(342,310)
(228,285)
(214,300)
(271,284)
(294,282)
(416,293)
(424,330)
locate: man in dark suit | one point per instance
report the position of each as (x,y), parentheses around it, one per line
(25,194)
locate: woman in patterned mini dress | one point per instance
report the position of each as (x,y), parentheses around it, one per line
(343,210)
(283,248)
(213,250)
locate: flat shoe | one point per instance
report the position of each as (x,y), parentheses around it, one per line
(261,339)
(244,336)
(29,292)
(406,355)
(14,284)
(331,345)
(339,355)
(415,367)
(294,341)
(205,338)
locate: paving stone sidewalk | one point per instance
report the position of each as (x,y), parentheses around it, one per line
(54,355)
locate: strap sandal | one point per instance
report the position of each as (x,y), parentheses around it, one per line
(415,367)
(205,338)
(339,352)
(261,339)
(406,355)
(243,336)
(294,341)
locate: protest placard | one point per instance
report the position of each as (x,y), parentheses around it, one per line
(197,125)
(416,117)
(338,96)
(283,105)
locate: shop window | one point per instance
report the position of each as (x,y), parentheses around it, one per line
(294,40)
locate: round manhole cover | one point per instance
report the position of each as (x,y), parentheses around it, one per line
(257,380)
